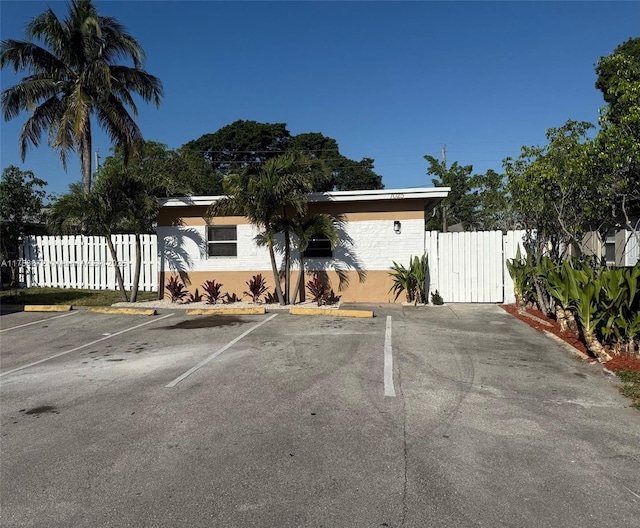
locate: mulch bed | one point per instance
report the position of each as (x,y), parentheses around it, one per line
(617,363)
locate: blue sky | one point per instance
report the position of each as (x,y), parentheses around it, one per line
(388,80)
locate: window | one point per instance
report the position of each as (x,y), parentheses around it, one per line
(222,241)
(319,246)
(610,248)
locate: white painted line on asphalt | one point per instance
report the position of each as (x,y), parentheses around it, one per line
(216,354)
(83,346)
(631,491)
(38,321)
(389,389)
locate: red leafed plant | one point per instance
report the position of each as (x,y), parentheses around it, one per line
(175,289)
(212,291)
(318,290)
(257,286)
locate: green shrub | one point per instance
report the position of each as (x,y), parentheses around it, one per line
(436,298)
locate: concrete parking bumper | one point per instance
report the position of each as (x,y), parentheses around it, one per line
(331,312)
(47,308)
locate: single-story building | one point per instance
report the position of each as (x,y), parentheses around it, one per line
(377,228)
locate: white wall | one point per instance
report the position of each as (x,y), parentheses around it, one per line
(369,245)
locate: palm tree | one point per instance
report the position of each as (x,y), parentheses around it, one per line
(74,77)
(136,188)
(305,228)
(263,194)
(101,212)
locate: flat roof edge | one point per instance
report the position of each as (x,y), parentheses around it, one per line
(333,196)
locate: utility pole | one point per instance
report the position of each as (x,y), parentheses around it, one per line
(444,204)
(97,160)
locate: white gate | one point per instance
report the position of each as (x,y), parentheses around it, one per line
(470,266)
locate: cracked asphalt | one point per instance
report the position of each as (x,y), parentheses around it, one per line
(493,424)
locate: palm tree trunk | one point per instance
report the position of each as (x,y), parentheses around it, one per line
(594,346)
(561,317)
(136,273)
(300,282)
(276,277)
(114,258)
(287,267)
(85,159)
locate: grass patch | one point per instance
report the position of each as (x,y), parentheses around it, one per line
(630,385)
(23,296)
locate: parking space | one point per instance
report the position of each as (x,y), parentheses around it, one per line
(278,420)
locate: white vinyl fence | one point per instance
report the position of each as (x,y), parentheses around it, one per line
(470,267)
(85,262)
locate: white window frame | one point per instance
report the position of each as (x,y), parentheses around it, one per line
(212,242)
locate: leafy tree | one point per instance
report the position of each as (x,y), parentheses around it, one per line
(618,77)
(357,175)
(244,144)
(552,189)
(492,202)
(347,174)
(192,174)
(459,206)
(74,77)
(616,148)
(241,145)
(177,172)
(21,201)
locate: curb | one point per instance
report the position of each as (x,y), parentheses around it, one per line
(226,311)
(121,311)
(568,347)
(47,308)
(332,312)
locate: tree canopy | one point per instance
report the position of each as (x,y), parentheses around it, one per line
(73,77)
(578,182)
(616,148)
(21,202)
(552,189)
(247,144)
(459,206)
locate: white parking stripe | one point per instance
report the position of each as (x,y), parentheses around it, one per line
(38,321)
(216,354)
(389,389)
(83,346)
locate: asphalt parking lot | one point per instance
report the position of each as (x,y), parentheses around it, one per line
(434,417)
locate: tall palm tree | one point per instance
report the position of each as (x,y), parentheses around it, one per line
(263,194)
(74,77)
